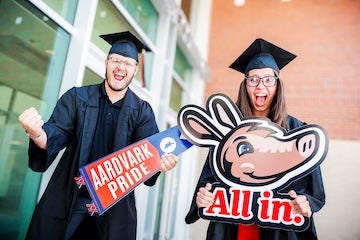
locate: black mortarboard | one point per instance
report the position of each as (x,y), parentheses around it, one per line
(125,44)
(262,54)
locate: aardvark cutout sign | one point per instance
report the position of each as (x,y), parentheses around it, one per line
(253,159)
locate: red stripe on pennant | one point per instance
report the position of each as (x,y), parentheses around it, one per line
(117,174)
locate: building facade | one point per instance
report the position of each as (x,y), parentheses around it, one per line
(321,84)
(49,46)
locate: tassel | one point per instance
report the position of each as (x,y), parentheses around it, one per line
(143,68)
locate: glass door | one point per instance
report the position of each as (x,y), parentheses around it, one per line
(32,56)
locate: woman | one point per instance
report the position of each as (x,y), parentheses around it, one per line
(261,94)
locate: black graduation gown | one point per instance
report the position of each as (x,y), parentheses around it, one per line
(72,125)
(310,185)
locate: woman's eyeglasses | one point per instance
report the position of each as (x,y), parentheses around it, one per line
(268,81)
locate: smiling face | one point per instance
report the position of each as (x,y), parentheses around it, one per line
(120,71)
(261,96)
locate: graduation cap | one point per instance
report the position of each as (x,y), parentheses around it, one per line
(262,54)
(125,44)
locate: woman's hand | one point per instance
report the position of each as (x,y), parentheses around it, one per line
(204,197)
(300,204)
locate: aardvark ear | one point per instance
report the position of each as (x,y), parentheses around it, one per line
(198,127)
(207,128)
(224,111)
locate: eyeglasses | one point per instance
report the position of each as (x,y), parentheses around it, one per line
(268,81)
(117,61)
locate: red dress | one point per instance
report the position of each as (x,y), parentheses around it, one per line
(248,232)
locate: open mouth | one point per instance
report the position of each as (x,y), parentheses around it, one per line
(119,76)
(260,99)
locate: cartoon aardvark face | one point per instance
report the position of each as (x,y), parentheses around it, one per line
(253,153)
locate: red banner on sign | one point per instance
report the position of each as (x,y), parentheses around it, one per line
(115,175)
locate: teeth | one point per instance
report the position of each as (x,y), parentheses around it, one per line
(247,165)
(261,95)
(286,148)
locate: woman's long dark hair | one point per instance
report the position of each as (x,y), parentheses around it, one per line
(278,112)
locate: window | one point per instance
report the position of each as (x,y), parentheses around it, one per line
(176,95)
(66,8)
(91,78)
(182,71)
(32,57)
(144,14)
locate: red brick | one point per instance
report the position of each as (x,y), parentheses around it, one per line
(322,85)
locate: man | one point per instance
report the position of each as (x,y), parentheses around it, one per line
(91,122)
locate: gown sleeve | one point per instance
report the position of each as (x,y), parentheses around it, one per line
(59,129)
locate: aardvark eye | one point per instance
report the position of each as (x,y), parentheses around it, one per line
(245,147)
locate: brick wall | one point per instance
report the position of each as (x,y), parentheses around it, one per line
(323,82)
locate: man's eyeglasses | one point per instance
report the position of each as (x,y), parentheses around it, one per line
(117,61)
(268,81)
